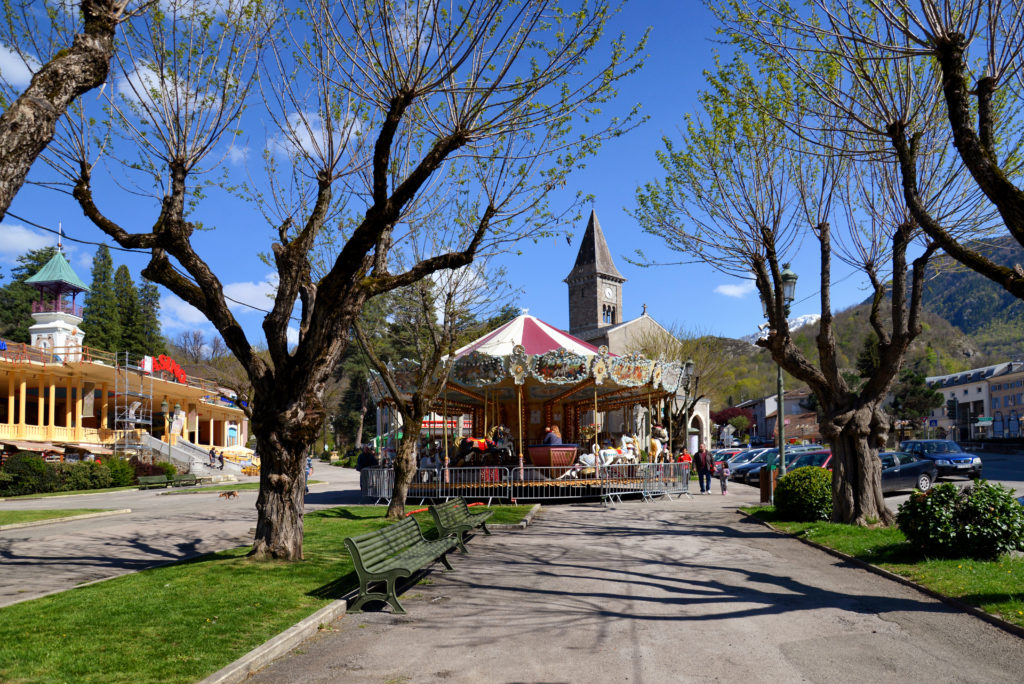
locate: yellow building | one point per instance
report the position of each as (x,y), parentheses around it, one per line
(61,396)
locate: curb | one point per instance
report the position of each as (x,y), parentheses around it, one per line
(277,646)
(522,525)
(51,521)
(881,572)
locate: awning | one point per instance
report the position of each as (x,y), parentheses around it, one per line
(35,446)
(91,448)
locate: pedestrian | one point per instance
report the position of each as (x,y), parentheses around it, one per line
(220,458)
(705,464)
(309,471)
(723,473)
(213,457)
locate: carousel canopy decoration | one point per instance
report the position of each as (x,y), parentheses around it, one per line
(478,369)
(560,367)
(518,364)
(671,376)
(631,370)
(599,367)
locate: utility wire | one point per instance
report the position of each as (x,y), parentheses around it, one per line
(64,235)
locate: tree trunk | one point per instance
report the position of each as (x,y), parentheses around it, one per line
(857,471)
(29,124)
(284,432)
(405,468)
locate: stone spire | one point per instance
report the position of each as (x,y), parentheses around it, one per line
(594,257)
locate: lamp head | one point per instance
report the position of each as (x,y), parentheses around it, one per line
(164,406)
(789,278)
(688,368)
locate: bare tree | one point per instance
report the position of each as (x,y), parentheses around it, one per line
(755,175)
(891,55)
(36,35)
(433,315)
(191,344)
(680,345)
(378,108)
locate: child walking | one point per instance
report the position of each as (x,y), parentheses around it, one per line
(723,473)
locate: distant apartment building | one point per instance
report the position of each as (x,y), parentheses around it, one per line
(988,402)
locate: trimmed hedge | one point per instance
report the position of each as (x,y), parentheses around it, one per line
(804,495)
(982,521)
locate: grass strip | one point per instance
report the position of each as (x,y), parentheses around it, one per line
(997,586)
(236,487)
(41,495)
(181,622)
(15,517)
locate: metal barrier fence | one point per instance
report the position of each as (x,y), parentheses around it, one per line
(533,483)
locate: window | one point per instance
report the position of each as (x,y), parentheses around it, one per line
(995,402)
(965,390)
(979,390)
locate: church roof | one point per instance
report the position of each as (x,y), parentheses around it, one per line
(58,270)
(594,256)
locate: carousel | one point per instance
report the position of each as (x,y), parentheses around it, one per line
(523,379)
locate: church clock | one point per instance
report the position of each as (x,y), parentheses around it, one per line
(608,293)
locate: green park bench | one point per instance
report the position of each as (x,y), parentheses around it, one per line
(452,518)
(184,480)
(389,554)
(147,481)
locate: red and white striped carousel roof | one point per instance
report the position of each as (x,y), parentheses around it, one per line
(536,336)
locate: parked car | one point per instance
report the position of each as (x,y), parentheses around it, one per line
(753,475)
(743,457)
(757,460)
(949,458)
(901,470)
(822,458)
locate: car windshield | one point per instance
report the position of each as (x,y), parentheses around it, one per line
(815,459)
(941,448)
(742,458)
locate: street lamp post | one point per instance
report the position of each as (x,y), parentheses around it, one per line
(687,380)
(789,279)
(164,408)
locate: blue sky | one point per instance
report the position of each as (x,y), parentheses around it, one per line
(695,297)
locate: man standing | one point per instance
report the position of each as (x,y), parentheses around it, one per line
(704,462)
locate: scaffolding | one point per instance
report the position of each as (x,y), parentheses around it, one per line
(133,405)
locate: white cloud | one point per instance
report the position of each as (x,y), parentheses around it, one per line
(293,336)
(176,314)
(738,291)
(256,295)
(16,240)
(238,155)
(307,135)
(13,68)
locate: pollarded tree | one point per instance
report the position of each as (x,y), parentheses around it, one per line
(753,177)
(968,53)
(385,111)
(61,53)
(101,319)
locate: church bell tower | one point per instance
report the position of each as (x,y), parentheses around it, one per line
(595,285)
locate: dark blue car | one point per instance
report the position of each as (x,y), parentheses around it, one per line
(947,455)
(906,471)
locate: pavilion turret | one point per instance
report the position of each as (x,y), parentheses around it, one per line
(56,312)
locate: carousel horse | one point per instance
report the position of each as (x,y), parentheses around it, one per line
(494,450)
(626,453)
(659,436)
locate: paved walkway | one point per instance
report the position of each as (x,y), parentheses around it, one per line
(663,592)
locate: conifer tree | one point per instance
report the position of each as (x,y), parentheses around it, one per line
(101,322)
(149,319)
(129,311)
(16,297)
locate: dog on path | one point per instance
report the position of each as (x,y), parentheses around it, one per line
(229,495)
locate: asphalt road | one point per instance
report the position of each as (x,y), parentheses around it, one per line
(1007,469)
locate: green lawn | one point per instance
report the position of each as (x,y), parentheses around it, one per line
(997,587)
(14,517)
(181,622)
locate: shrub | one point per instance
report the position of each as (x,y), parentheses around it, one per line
(166,468)
(82,475)
(982,521)
(804,494)
(29,474)
(122,473)
(143,469)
